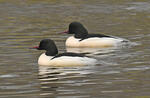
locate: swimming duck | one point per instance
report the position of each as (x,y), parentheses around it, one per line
(52,58)
(81,38)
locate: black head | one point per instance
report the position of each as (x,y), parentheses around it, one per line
(78,29)
(49,46)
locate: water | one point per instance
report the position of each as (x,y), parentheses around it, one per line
(121,72)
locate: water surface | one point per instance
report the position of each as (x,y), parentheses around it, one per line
(120,72)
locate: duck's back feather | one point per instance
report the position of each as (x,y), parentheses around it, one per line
(69,54)
(95,35)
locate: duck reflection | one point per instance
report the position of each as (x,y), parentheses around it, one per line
(59,81)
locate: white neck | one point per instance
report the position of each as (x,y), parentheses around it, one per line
(44,59)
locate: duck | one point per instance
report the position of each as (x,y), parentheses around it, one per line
(81,38)
(52,58)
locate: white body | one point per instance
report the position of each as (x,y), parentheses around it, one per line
(93,42)
(65,61)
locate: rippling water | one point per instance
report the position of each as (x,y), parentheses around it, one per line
(121,72)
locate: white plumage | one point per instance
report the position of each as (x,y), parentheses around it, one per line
(65,61)
(93,42)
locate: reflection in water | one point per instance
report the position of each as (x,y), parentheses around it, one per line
(61,81)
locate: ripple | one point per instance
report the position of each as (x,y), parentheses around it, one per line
(111,72)
(114,91)
(9,76)
(139,6)
(137,68)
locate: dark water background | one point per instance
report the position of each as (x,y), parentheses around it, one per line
(121,73)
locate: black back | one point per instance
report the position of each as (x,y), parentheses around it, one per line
(49,46)
(94,35)
(69,54)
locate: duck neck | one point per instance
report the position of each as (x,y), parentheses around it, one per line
(51,52)
(80,35)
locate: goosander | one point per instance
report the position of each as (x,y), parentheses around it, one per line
(52,58)
(81,38)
